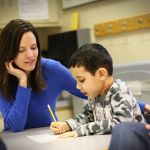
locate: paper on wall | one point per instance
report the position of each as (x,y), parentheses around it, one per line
(34,10)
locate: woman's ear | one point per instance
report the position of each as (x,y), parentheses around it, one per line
(102,73)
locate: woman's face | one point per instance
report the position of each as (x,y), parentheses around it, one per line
(28,52)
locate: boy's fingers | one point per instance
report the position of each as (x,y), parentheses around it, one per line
(55,130)
(54,124)
(64,135)
(68,134)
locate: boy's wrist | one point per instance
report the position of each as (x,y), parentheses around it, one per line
(78,131)
(68,128)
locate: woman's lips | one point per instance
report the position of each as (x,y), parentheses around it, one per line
(30,62)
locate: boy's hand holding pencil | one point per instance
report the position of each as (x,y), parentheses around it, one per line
(63,129)
(59,127)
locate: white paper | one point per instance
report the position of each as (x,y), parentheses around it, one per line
(43,138)
(33,9)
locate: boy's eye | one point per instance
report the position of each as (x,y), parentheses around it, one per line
(81,81)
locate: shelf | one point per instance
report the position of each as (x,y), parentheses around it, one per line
(123,25)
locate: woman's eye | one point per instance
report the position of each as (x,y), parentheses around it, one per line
(20,51)
(34,48)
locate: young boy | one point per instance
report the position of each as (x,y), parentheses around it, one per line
(110,101)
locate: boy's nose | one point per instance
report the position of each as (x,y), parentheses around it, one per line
(78,87)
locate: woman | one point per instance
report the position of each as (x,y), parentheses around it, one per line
(28,82)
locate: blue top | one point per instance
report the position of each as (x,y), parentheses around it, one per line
(142,106)
(29,109)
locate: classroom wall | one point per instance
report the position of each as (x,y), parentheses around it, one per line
(124,47)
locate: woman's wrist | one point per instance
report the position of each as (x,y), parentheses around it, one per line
(23,82)
(147,108)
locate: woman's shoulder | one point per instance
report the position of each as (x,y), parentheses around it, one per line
(51,65)
(52,68)
(47,63)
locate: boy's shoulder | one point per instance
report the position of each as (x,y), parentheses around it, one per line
(118,86)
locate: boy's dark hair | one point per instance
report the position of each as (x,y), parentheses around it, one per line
(92,56)
(10,38)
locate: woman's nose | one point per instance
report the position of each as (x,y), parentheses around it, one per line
(29,53)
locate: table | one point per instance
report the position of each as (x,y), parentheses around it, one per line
(20,141)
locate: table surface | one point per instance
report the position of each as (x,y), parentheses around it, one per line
(20,141)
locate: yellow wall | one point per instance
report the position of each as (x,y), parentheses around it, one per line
(124,47)
(64,113)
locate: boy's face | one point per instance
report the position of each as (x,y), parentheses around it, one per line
(89,84)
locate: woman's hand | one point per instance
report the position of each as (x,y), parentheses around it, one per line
(20,74)
(68,134)
(148,128)
(147,108)
(59,127)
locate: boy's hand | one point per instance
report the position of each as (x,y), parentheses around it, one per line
(68,134)
(59,127)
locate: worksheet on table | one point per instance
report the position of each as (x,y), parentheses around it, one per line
(42,138)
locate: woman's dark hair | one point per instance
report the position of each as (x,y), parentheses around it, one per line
(10,38)
(92,56)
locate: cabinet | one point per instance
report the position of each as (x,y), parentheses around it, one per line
(62,45)
(9,9)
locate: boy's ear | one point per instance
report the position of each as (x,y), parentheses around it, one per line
(102,73)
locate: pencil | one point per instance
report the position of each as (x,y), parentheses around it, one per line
(50,110)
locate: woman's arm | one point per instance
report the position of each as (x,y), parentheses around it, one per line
(15,112)
(64,77)
(144,107)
